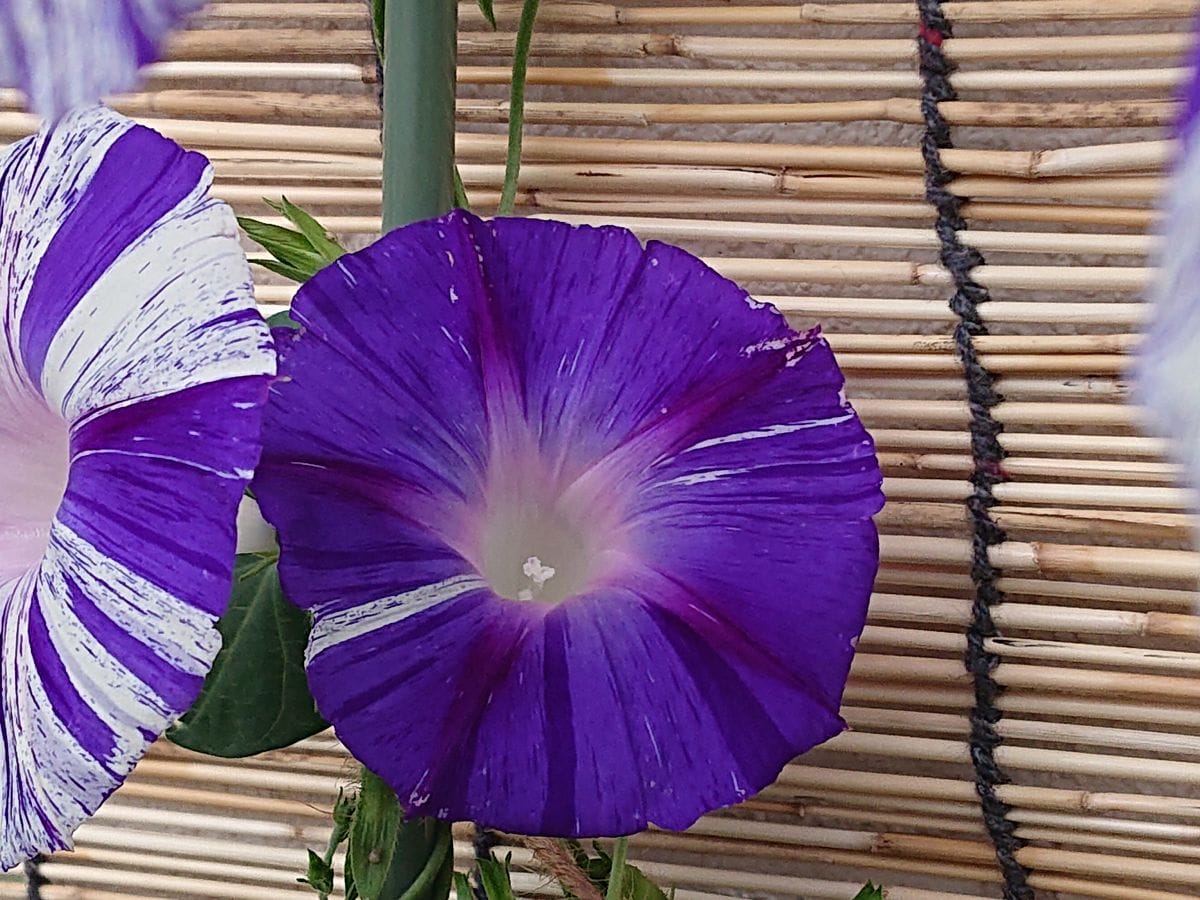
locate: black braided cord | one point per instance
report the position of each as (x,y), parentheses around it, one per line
(34,879)
(986,452)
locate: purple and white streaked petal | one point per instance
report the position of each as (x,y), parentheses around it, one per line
(134,361)
(584,530)
(68,53)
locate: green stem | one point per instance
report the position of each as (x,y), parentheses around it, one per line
(516,107)
(616,875)
(420,44)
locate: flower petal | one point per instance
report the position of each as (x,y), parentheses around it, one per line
(129,326)
(634,385)
(1166,367)
(66,53)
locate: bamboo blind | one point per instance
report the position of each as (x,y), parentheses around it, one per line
(781,141)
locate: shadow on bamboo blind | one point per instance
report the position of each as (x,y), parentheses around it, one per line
(784,142)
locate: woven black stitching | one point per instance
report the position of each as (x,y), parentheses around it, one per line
(986,451)
(34,879)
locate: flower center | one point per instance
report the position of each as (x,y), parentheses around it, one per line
(34,462)
(532,550)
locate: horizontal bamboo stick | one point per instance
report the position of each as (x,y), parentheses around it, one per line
(1094,446)
(807,778)
(1081,495)
(920,669)
(1047,523)
(158,74)
(863,236)
(1011,114)
(1164,79)
(952,815)
(285,43)
(1032,467)
(890,721)
(1058,706)
(914,610)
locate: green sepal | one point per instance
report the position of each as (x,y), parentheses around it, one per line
(394,858)
(314,232)
(496,878)
(485,7)
(287,245)
(299,253)
(870,892)
(283,319)
(320,875)
(256,697)
(288,271)
(462,886)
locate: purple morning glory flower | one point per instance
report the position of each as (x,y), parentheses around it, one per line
(65,53)
(133,372)
(1167,363)
(585,531)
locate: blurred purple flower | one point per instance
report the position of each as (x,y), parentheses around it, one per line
(133,371)
(1170,355)
(66,53)
(585,530)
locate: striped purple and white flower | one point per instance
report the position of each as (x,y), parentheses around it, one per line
(133,372)
(585,530)
(66,53)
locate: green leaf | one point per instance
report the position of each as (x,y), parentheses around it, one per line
(318,238)
(485,7)
(393,858)
(870,892)
(320,875)
(462,886)
(256,696)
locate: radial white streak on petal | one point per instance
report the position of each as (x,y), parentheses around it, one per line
(117,346)
(176,631)
(768,431)
(329,631)
(40,183)
(65,781)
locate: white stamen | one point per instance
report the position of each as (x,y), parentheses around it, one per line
(538,573)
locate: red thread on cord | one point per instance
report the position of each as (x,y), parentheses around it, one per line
(930,35)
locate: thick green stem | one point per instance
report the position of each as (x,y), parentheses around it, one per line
(420,44)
